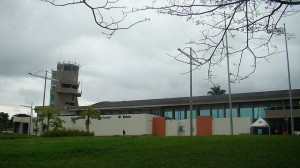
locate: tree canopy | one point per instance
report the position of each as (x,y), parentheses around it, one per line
(216,90)
(56,123)
(88,113)
(46,112)
(4,120)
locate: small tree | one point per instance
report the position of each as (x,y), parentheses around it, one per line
(3,121)
(88,113)
(46,111)
(56,123)
(216,90)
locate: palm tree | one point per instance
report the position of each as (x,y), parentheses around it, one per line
(216,90)
(46,112)
(56,123)
(88,113)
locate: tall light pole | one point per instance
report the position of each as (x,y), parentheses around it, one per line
(289,76)
(228,77)
(45,78)
(191,85)
(45,85)
(31,110)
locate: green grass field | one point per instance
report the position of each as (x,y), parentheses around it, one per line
(148,151)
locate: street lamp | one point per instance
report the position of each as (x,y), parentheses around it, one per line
(290,88)
(31,110)
(45,78)
(229,82)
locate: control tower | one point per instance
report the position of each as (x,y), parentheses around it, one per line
(64,93)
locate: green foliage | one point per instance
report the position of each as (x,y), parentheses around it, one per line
(216,90)
(88,113)
(56,123)
(3,121)
(46,112)
(13,136)
(66,133)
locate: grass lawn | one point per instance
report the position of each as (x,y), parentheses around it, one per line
(148,151)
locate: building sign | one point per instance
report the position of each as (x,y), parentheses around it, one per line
(124,116)
(119,116)
(105,117)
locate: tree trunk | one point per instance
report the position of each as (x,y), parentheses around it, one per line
(88,124)
(48,122)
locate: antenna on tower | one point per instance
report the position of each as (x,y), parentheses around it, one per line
(81,82)
(59,54)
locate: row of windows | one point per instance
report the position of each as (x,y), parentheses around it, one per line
(64,67)
(69,86)
(218,113)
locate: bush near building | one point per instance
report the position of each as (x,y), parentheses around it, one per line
(66,133)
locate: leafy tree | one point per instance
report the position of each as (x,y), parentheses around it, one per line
(88,113)
(4,121)
(46,112)
(216,90)
(56,123)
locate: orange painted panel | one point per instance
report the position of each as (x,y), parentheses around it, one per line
(159,126)
(204,125)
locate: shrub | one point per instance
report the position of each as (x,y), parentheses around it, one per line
(66,133)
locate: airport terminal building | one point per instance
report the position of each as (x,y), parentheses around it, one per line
(171,116)
(211,114)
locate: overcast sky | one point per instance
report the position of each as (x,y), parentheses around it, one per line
(131,65)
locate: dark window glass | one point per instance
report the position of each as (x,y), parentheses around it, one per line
(246,112)
(204,112)
(221,113)
(168,114)
(193,114)
(70,103)
(234,113)
(67,67)
(215,113)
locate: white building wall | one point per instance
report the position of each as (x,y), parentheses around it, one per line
(241,125)
(187,127)
(221,126)
(23,120)
(140,124)
(171,128)
(132,124)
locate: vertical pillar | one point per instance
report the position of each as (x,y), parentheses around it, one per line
(159,126)
(204,125)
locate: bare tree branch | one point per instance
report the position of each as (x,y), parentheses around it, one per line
(107,14)
(251,25)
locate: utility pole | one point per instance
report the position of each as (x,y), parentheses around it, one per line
(191,94)
(44,96)
(290,87)
(228,76)
(190,56)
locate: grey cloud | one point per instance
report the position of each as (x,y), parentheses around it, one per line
(131,65)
